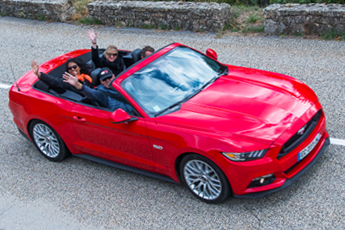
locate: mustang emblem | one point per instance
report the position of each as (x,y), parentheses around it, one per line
(301,130)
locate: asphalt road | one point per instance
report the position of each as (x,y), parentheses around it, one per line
(79,194)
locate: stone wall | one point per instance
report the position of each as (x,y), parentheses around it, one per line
(57,10)
(194,16)
(306,19)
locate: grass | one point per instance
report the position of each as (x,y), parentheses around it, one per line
(333,35)
(42,18)
(163,27)
(89,21)
(330,35)
(253,18)
(298,34)
(245,20)
(342,37)
(254,29)
(146,26)
(81,6)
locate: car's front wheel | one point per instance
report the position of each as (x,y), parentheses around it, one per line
(204,179)
(47,141)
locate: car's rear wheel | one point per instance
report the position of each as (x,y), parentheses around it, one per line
(204,179)
(47,141)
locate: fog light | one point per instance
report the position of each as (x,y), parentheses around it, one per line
(262,180)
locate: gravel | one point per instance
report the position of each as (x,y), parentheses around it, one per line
(79,194)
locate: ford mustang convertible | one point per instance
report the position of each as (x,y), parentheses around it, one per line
(219,129)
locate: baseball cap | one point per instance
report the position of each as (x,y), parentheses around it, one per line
(105,73)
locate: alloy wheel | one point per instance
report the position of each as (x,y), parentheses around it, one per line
(46,140)
(202,179)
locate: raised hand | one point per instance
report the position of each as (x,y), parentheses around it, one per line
(35,68)
(72,80)
(93,36)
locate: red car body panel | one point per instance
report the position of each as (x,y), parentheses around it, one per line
(245,110)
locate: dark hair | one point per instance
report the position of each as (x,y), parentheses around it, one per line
(80,63)
(146,48)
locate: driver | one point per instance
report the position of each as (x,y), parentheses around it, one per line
(102,94)
(146,51)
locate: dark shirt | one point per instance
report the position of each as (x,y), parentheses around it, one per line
(107,98)
(116,67)
(57,83)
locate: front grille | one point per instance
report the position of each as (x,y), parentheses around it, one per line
(297,139)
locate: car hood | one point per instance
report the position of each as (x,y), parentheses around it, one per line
(246,103)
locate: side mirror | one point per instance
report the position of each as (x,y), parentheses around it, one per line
(121,116)
(212,54)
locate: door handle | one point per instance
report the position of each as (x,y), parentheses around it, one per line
(79,118)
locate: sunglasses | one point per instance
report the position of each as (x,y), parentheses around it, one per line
(106,78)
(110,54)
(72,67)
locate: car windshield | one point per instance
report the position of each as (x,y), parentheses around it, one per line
(164,84)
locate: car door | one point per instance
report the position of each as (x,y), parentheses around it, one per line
(126,143)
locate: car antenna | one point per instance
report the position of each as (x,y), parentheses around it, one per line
(14,77)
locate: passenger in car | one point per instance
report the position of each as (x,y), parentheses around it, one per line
(138,54)
(111,57)
(75,67)
(146,51)
(102,94)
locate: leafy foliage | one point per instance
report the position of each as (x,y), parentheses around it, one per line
(253,29)
(253,18)
(87,20)
(333,34)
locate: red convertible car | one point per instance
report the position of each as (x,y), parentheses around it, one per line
(219,129)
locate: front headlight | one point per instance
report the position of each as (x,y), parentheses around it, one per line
(248,156)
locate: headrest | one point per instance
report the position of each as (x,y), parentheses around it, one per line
(136,55)
(94,76)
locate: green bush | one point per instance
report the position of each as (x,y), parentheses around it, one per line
(87,20)
(254,29)
(253,18)
(342,36)
(333,34)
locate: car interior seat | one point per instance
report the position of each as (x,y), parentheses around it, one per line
(90,66)
(94,76)
(136,55)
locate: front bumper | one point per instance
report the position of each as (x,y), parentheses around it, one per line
(289,181)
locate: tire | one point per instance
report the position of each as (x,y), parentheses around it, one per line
(48,142)
(204,179)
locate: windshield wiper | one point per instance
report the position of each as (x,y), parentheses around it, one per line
(170,107)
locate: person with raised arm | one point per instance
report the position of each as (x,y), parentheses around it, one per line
(111,57)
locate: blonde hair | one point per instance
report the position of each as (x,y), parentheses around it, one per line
(110,47)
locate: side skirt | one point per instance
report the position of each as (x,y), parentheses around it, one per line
(125,167)
(24,135)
